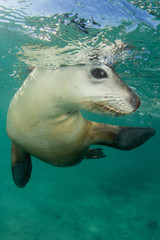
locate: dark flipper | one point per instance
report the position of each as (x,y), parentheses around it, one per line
(132,137)
(124,138)
(95,153)
(21,166)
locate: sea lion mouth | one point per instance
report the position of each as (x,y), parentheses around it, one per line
(103,107)
(107,109)
(119,108)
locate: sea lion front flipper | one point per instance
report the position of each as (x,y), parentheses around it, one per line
(21,166)
(132,137)
(95,153)
(124,138)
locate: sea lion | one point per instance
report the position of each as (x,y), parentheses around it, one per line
(44,119)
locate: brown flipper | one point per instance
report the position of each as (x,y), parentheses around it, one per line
(124,138)
(21,166)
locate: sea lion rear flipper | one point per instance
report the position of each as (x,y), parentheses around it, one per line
(124,138)
(21,166)
(95,153)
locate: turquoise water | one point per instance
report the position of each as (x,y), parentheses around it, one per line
(115,198)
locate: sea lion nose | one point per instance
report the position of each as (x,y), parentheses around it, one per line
(138,102)
(134,100)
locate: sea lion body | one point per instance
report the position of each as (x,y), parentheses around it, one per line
(44,118)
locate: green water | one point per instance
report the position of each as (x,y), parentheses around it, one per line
(115,198)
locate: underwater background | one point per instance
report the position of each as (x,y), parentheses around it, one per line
(114,198)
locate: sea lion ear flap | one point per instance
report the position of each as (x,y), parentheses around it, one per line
(21,166)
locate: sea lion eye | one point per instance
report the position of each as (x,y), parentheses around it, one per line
(99,73)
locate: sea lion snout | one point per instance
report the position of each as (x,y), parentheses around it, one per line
(134,100)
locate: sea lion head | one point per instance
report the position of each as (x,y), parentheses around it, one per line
(98,88)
